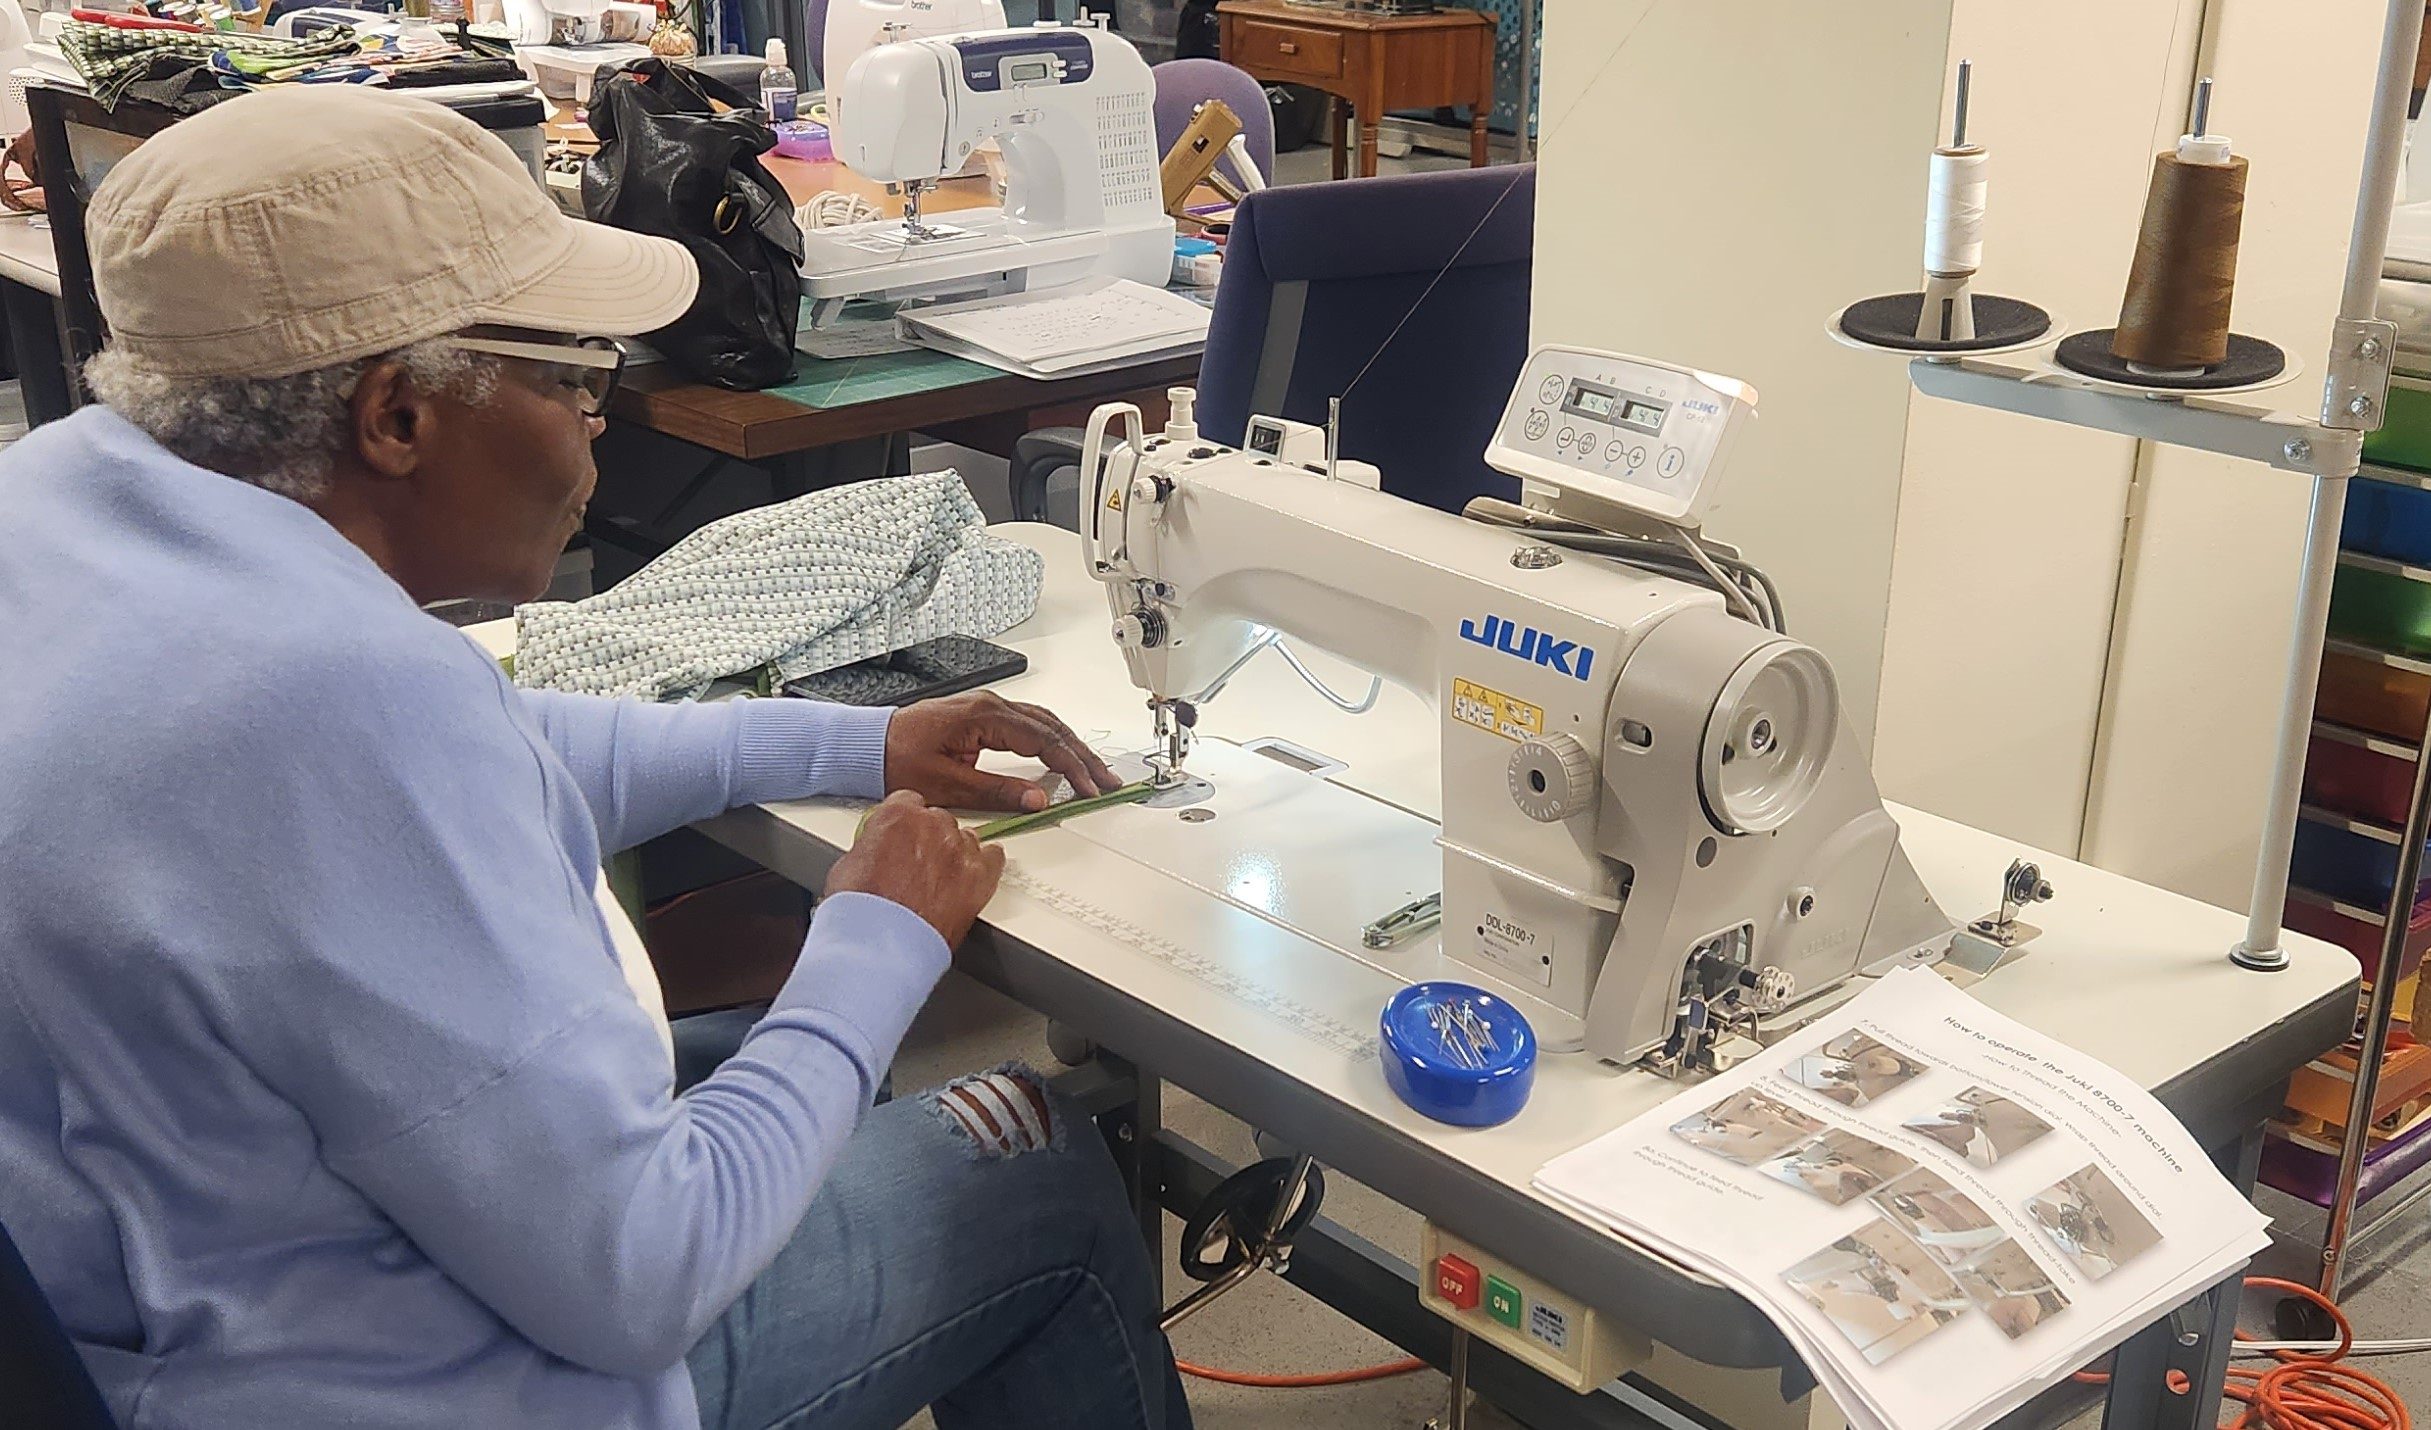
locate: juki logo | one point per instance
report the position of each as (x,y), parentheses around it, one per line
(1530,644)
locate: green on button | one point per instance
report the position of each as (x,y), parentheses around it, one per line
(1503,1301)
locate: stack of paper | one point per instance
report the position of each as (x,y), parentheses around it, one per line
(1944,1211)
(1063,332)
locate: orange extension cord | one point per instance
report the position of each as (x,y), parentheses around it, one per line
(1385,1371)
(2303,1391)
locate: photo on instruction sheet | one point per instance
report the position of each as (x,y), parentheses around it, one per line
(2012,1287)
(1945,1221)
(1981,1126)
(2093,1221)
(1839,1166)
(1747,1127)
(1880,1289)
(1852,1069)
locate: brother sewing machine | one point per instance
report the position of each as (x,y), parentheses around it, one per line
(1658,833)
(1073,110)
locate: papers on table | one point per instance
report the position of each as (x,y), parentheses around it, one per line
(1061,332)
(1944,1211)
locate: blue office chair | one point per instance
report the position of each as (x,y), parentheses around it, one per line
(45,1378)
(1405,296)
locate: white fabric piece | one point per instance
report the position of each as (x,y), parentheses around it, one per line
(805,585)
(634,959)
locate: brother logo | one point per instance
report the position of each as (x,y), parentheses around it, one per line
(1530,644)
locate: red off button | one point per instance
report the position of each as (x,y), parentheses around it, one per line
(1457,1282)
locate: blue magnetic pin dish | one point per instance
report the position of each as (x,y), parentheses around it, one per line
(1457,1053)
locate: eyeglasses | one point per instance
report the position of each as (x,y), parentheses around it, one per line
(589,367)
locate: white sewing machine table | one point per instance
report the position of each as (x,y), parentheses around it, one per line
(1113,927)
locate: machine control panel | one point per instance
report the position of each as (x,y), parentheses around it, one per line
(1520,1315)
(1641,434)
(994,62)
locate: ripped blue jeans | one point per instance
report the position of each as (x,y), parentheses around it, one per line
(972,1252)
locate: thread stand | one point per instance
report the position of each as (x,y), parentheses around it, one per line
(1947,318)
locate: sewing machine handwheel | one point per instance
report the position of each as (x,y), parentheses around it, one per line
(1768,738)
(1211,1245)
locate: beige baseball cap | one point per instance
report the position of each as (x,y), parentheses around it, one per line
(310,225)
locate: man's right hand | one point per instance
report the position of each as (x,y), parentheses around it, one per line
(923,859)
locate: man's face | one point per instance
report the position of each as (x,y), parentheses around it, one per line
(501,487)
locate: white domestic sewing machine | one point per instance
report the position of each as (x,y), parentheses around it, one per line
(1073,110)
(1658,833)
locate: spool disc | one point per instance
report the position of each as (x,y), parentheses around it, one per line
(2251,362)
(1889,323)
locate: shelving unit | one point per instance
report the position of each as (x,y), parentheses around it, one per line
(2395,1172)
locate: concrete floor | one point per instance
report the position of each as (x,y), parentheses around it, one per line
(1265,1326)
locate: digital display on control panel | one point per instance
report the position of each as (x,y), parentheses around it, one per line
(1585,399)
(1027,71)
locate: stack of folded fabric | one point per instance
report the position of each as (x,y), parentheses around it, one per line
(112,59)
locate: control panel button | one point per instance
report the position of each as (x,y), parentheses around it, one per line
(1457,1282)
(1613,452)
(1503,1301)
(1670,465)
(1565,437)
(1637,458)
(1551,392)
(1537,422)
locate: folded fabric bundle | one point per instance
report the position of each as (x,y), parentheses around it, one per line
(110,59)
(801,586)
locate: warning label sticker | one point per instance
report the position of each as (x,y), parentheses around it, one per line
(1494,712)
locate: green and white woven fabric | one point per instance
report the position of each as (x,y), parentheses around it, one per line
(110,59)
(804,586)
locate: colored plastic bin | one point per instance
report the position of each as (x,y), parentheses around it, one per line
(2360,938)
(2387,519)
(2404,439)
(2344,865)
(2366,695)
(2380,609)
(2358,782)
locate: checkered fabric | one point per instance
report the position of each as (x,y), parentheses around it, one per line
(110,59)
(804,586)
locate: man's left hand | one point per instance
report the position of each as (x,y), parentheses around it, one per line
(933,750)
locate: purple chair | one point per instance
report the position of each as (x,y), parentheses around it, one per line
(1183,85)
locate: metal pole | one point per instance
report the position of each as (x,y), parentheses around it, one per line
(2367,245)
(1527,80)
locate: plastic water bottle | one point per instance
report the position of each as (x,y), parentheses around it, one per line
(777,89)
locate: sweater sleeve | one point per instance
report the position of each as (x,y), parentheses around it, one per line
(647,768)
(439,999)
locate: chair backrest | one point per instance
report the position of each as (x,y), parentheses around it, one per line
(45,1378)
(810,66)
(1407,297)
(1183,85)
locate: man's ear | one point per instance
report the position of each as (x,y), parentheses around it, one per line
(393,421)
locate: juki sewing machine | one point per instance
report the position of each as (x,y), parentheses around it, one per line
(1073,110)
(1659,838)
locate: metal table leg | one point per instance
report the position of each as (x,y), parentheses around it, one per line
(2193,1341)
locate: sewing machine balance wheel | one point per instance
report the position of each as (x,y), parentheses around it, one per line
(1768,738)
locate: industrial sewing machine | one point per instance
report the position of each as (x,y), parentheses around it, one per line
(1073,110)
(1659,838)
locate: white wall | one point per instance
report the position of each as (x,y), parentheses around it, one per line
(1719,176)
(2010,530)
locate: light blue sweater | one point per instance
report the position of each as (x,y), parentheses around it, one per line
(322,1099)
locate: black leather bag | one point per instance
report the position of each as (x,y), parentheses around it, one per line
(679,157)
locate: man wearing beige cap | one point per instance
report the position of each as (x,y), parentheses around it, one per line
(325,1097)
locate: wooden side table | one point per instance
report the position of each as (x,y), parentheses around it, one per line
(1369,63)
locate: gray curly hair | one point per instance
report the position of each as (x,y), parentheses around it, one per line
(283,434)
